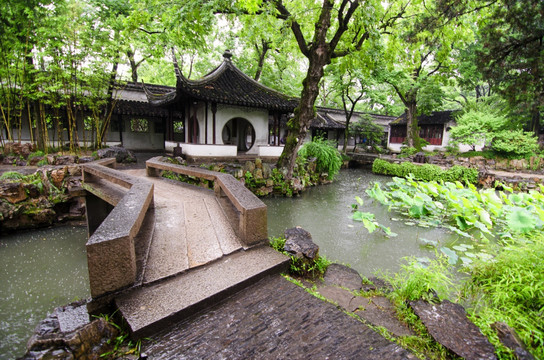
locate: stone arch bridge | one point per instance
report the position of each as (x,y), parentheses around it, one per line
(159,250)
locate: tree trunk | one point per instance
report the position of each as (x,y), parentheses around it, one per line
(133,65)
(262,57)
(412,130)
(319,55)
(305,112)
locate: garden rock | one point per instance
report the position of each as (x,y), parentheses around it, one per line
(448,324)
(57,177)
(9,160)
(299,243)
(337,295)
(66,160)
(19,149)
(120,154)
(35,160)
(85,159)
(511,340)
(12,192)
(68,334)
(377,284)
(343,276)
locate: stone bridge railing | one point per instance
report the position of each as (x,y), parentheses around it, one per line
(111,253)
(247,212)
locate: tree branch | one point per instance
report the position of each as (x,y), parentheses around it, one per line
(284,14)
(152,32)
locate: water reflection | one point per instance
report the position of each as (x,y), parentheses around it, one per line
(325,211)
(40,270)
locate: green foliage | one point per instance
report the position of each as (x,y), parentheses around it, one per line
(511,290)
(518,143)
(277,243)
(328,158)
(208,184)
(36,154)
(122,345)
(368,219)
(415,281)
(477,126)
(12,175)
(406,151)
(471,213)
(426,172)
(483,124)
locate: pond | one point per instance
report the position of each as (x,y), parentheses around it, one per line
(325,211)
(41,270)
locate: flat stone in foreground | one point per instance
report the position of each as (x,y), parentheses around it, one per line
(273,319)
(448,324)
(151,308)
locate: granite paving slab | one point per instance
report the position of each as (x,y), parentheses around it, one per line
(272,319)
(149,308)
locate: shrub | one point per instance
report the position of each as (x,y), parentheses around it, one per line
(426,172)
(328,158)
(515,143)
(406,151)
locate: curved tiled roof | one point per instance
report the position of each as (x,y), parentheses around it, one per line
(226,84)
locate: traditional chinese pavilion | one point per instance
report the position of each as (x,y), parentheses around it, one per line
(224,114)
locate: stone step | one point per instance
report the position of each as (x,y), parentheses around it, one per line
(151,308)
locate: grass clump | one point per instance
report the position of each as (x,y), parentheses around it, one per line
(301,267)
(328,158)
(511,290)
(12,175)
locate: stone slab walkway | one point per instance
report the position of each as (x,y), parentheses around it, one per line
(272,319)
(191,229)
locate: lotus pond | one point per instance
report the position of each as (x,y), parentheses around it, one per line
(370,222)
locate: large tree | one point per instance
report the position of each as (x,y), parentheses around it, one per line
(418,57)
(512,55)
(323,31)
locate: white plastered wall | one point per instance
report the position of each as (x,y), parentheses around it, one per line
(258,118)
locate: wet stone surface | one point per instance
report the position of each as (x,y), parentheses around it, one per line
(448,324)
(273,319)
(300,244)
(343,276)
(510,339)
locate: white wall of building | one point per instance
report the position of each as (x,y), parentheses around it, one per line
(258,118)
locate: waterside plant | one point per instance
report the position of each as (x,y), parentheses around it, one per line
(426,172)
(501,255)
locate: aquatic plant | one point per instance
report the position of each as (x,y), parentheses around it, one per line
(473,214)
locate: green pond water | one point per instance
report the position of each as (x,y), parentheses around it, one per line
(325,212)
(40,270)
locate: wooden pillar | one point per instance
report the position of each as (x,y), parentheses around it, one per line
(276,129)
(195,124)
(214,111)
(186,125)
(120,124)
(206,125)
